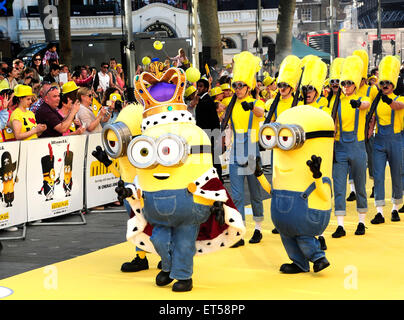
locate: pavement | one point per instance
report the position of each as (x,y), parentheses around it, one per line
(48,244)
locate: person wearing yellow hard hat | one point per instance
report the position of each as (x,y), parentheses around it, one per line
(326,88)
(217,95)
(372,80)
(270,83)
(22,120)
(191,99)
(245,117)
(349,148)
(227,93)
(69,107)
(389,115)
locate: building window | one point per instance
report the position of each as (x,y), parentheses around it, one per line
(228,43)
(305,14)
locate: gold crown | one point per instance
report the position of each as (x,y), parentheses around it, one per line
(145,80)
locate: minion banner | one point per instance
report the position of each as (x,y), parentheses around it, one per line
(54,182)
(100,182)
(13,205)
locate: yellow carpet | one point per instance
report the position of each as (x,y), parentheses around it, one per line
(362,267)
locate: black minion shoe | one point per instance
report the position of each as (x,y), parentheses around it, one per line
(323,245)
(135,265)
(163,278)
(394,216)
(360,230)
(257,236)
(290,268)
(351,197)
(377,219)
(182,285)
(320,264)
(340,232)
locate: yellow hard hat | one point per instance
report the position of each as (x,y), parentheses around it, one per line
(365,59)
(225,86)
(69,87)
(115,97)
(335,68)
(268,81)
(389,69)
(372,77)
(228,66)
(290,71)
(315,73)
(352,70)
(190,90)
(246,65)
(21,90)
(215,91)
(326,82)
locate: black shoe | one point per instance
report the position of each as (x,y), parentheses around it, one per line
(351,197)
(163,278)
(394,216)
(135,265)
(290,268)
(377,219)
(360,230)
(372,195)
(257,236)
(159,265)
(401,210)
(320,264)
(238,244)
(182,285)
(323,246)
(275,231)
(340,232)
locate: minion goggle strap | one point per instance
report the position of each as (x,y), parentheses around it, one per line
(288,136)
(116,149)
(168,150)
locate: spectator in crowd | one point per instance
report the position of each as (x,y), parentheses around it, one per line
(120,79)
(102,79)
(113,75)
(3,65)
(53,75)
(22,120)
(69,107)
(44,88)
(6,101)
(191,99)
(18,64)
(180,60)
(88,120)
(82,79)
(64,74)
(11,75)
(37,65)
(50,54)
(48,114)
(113,102)
(10,106)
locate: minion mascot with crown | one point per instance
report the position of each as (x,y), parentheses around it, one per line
(301,140)
(186,209)
(115,139)
(68,166)
(6,174)
(48,171)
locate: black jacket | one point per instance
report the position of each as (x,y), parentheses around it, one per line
(205,113)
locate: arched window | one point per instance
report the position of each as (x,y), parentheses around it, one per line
(228,43)
(266,42)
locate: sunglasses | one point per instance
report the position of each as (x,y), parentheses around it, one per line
(105,67)
(90,95)
(51,89)
(283,85)
(347,83)
(308,88)
(238,85)
(334,81)
(385,83)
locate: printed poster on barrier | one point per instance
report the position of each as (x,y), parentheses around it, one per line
(100,182)
(13,204)
(55,176)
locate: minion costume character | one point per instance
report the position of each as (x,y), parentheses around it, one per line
(186,209)
(302,143)
(67,169)
(334,76)
(245,118)
(349,146)
(389,115)
(115,139)
(314,74)
(6,173)
(49,176)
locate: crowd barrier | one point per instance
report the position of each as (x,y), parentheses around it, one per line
(50,177)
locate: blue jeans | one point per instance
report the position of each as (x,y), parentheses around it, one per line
(349,154)
(298,225)
(387,147)
(175,219)
(369,151)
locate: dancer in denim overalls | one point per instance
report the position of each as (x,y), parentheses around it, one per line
(349,146)
(387,144)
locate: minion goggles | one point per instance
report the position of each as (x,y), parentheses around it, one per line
(144,152)
(289,136)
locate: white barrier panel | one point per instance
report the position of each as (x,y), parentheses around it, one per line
(54,176)
(100,182)
(13,205)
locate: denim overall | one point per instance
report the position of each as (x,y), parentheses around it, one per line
(241,149)
(387,147)
(298,224)
(175,218)
(349,153)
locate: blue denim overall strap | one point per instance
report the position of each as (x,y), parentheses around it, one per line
(292,216)
(368,91)
(242,139)
(386,130)
(348,136)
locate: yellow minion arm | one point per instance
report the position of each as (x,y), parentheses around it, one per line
(321,189)
(264,183)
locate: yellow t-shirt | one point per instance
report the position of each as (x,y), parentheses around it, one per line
(320,103)
(226,101)
(348,116)
(240,117)
(371,93)
(283,105)
(383,112)
(27,120)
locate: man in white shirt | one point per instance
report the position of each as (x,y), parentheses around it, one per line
(103,78)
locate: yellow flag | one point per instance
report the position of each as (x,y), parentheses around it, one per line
(96,106)
(207,70)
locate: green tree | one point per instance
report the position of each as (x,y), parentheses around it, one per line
(283,46)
